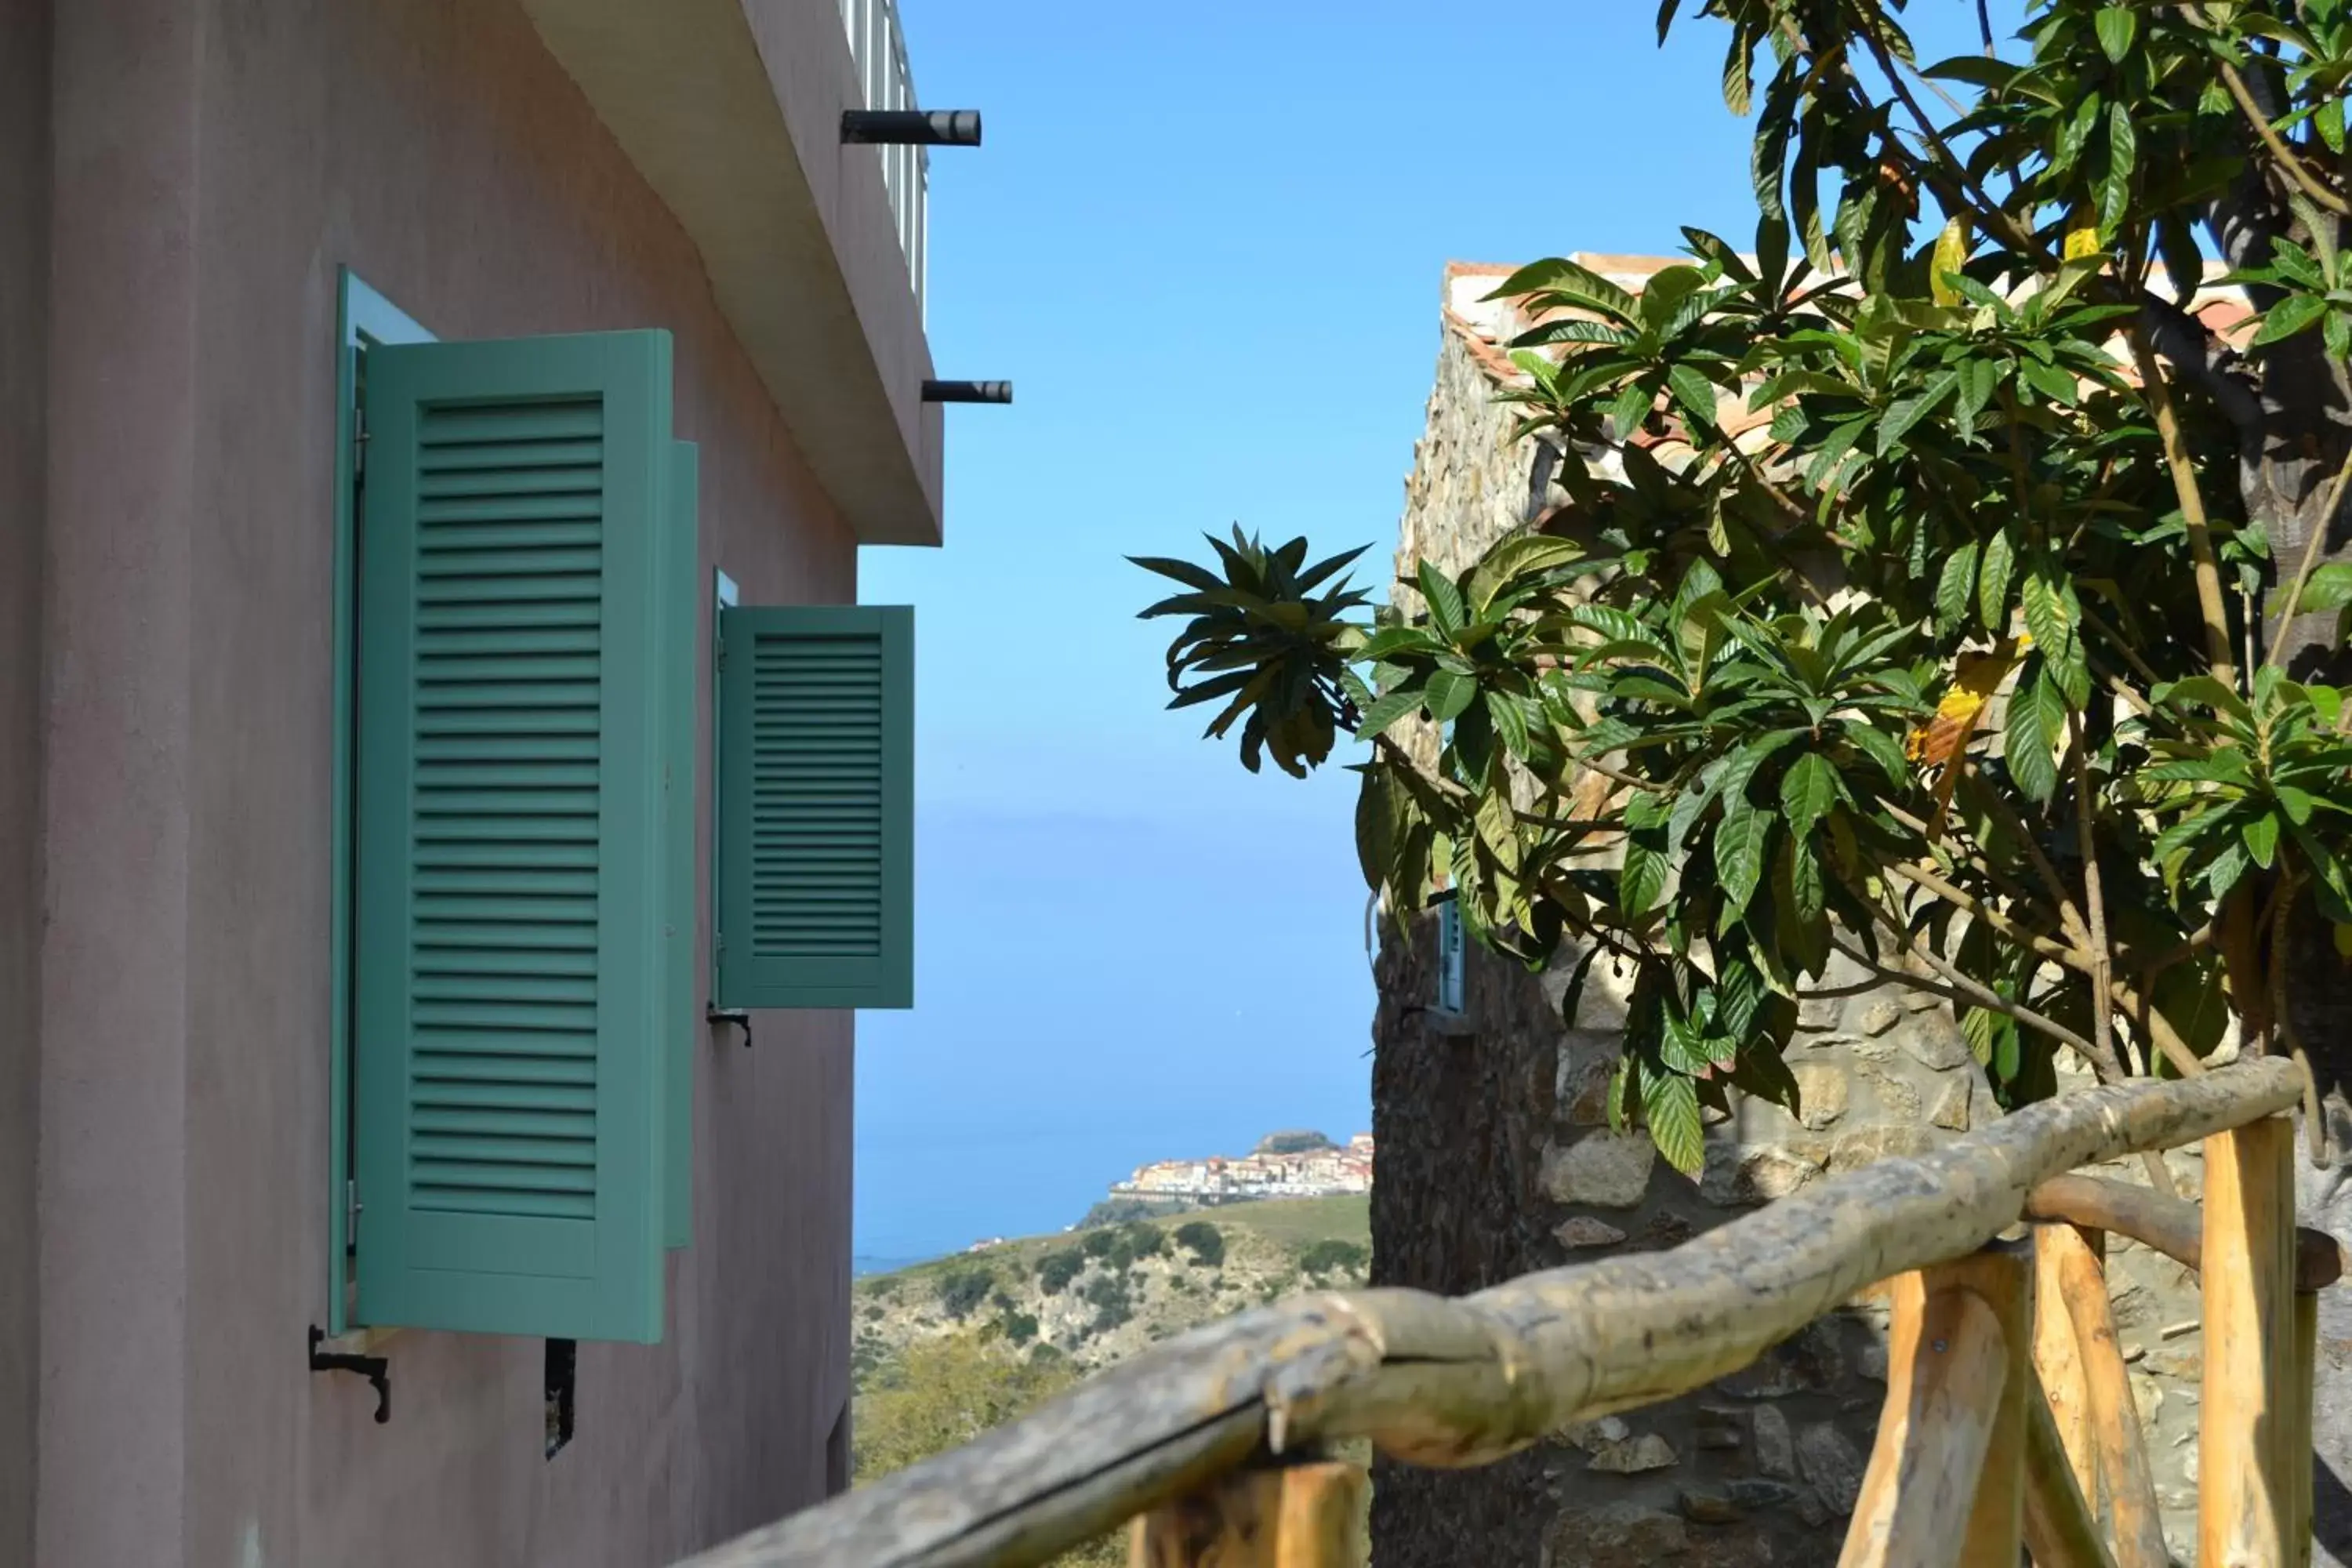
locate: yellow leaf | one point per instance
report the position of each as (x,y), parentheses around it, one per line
(2343,940)
(1951,255)
(1975,677)
(2082,240)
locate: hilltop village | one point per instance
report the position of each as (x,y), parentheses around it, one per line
(1283,1165)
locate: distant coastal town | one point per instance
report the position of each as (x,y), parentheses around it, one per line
(1283,1165)
(1297,1165)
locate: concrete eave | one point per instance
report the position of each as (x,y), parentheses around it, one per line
(731,111)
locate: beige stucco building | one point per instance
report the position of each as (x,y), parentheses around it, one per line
(232,237)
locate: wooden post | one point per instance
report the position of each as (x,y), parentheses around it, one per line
(1946,1487)
(2245,1496)
(2297,1436)
(2135,1526)
(2060,1530)
(1297,1516)
(2057,1359)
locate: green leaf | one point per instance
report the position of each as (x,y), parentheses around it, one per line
(2226,869)
(1694,392)
(2118,27)
(1881,747)
(1906,411)
(2123,157)
(1978,380)
(1993,584)
(2260,836)
(2290,316)
(1575,284)
(1976,70)
(2051,618)
(2330,588)
(1641,877)
(1741,839)
(1762,1075)
(1956,586)
(1445,610)
(1183,572)
(1510,722)
(1383,715)
(2037,722)
(1800,920)
(2208,691)
(1630,407)
(1523,555)
(1683,1048)
(1808,790)
(1670,1106)
(1448,694)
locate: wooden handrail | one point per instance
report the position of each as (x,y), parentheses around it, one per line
(2172,1225)
(1467,1381)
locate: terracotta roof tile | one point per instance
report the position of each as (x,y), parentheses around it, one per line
(1486,325)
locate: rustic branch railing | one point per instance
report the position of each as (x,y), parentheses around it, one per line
(1202,1438)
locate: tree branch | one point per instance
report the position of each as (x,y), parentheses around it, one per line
(2095,903)
(1983,995)
(2192,510)
(2294,168)
(2205,360)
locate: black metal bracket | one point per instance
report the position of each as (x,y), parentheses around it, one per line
(739,1017)
(911,127)
(967,392)
(376,1368)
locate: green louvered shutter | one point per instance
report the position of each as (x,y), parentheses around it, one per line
(681,660)
(510,952)
(815,855)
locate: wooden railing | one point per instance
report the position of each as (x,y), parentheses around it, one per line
(2009,1421)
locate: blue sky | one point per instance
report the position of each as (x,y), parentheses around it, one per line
(1204,241)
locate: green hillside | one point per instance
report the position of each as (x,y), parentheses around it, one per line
(947,1349)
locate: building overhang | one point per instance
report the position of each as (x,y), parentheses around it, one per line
(731,111)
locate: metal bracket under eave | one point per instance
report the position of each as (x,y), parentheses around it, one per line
(999,392)
(376,1368)
(739,1017)
(911,127)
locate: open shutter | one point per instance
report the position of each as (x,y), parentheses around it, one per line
(510,950)
(681,660)
(816,858)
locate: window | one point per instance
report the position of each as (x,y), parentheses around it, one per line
(523,832)
(1449,956)
(816,853)
(517,1006)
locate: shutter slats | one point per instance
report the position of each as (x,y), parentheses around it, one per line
(443,1090)
(450,1054)
(436,955)
(506,1121)
(480,477)
(816,754)
(573,588)
(537,421)
(477,509)
(492,454)
(815,718)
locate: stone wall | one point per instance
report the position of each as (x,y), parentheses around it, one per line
(1495,1161)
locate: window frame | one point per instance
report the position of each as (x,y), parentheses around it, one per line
(363,319)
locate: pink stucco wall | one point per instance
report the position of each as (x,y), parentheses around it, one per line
(214,161)
(24,290)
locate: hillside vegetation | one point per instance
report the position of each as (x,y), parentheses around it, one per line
(947,1349)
